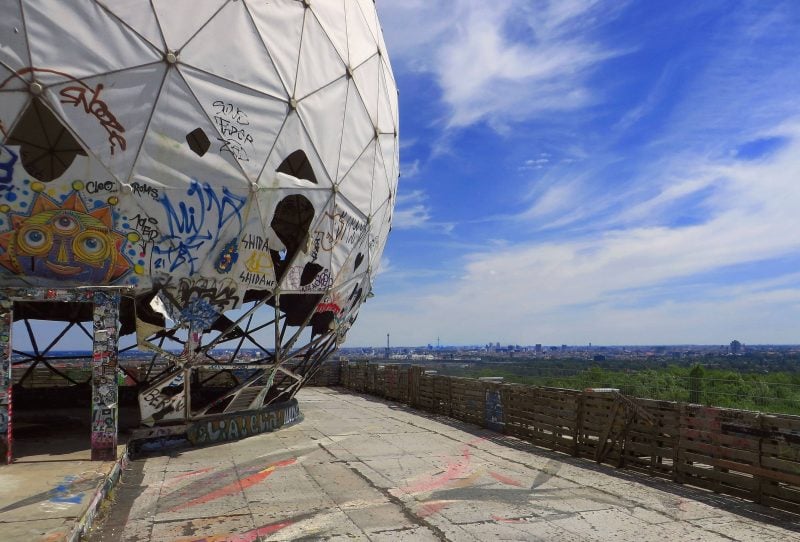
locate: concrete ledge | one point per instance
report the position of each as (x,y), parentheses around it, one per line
(215,429)
(86,520)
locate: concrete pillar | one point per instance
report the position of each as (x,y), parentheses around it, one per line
(105,393)
(6,381)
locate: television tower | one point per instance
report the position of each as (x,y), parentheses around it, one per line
(388,350)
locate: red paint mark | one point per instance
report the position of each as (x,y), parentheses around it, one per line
(329,307)
(508,520)
(431,508)
(455,469)
(234,487)
(180,477)
(249,536)
(505,479)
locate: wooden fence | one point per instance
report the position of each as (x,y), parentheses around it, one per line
(750,455)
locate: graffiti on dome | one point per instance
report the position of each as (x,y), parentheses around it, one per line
(194,221)
(65,240)
(89,98)
(8,158)
(232,124)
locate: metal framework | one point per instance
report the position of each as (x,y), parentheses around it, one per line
(181,380)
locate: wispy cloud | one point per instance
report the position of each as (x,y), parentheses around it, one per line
(413,212)
(487,69)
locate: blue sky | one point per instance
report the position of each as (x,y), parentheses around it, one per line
(581,171)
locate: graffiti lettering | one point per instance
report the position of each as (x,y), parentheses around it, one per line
(147,228)
(255,242)
(345,228)
(322,281)
(7,160)
(144,190)
(231,122)
(256,279)
(95,106)
(194,223)
(242,425)
(93,187)
(165,400)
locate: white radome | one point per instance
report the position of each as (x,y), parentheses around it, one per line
(212,151)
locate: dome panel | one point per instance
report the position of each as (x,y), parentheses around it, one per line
(293,137)
(356,185)
(14,54)
(387,105)
(361,42)
(387,144)
(390,88)
(280,24)
(358,132)
(96,42)
(12,104)
(244,60)
(366,77)
(180,20)
(139,19)
(323,115)
(331,16)
(380,184)
(320,63)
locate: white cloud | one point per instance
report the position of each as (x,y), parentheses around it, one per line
(595,288)
(409,171)
(413,212)
(416,216)
(486,71)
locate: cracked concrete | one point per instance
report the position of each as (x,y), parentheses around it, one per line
(360,468)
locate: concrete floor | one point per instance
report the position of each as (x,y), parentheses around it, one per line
(53,481)
(359,468)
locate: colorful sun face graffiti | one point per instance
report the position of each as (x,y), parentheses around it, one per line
(64,242)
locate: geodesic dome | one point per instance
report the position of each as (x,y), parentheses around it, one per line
(208,156)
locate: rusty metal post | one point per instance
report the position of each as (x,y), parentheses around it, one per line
(105,392)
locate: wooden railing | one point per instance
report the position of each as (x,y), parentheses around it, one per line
(751,455)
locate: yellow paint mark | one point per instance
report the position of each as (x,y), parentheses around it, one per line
(258,262)
(4,208)
(138,269)
(133,237)
(77,185)
(113,200)
(37,186)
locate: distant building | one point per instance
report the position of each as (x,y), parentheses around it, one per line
(538,348)
(736,347)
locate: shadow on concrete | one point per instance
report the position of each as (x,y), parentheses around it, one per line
(60,434)
(733,505)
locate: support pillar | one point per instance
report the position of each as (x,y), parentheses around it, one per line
(6,382)
(105,392)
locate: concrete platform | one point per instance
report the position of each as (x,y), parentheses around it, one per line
(359,468)
(53,489)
